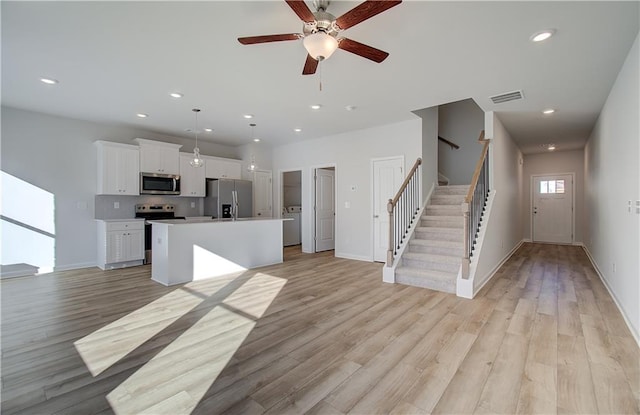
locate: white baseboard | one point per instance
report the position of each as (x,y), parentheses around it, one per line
(495,269)
(79,265)
(634,333)
(354,257)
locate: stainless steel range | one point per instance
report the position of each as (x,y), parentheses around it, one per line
(153,212)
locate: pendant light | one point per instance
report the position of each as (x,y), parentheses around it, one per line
(252,166)
(197,160)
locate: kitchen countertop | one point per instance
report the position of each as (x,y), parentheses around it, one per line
(121,220)
(201,220)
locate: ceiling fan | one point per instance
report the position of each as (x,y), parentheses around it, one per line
(321,30)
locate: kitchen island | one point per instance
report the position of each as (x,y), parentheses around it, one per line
(200,248)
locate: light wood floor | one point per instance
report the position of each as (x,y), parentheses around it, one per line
(318,335)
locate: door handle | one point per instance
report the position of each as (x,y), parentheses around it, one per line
(376,216)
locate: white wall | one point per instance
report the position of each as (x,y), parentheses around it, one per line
(555,162)
(351,154)
(429,149)
(502,229)
(612,156)
(461,123)
(57,154)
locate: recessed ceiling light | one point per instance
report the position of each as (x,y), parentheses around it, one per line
(542,35)
(297,130)
(141,115)
(248,116)
(551,147)
(208,130)
(548,111)
(316,106)
(176,95)
(257,140)
(49,81)
(350,107)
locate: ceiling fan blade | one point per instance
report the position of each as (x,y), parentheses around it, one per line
(268,38)
(363,50)
(310,66)
(301,9)
(364,11)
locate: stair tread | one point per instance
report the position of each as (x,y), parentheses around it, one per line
(439,229)
(424,273)
(436,243)
(432,257)
(442,217)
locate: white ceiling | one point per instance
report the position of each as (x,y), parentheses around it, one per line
(115,59)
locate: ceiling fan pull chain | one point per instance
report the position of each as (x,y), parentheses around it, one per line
(320,74)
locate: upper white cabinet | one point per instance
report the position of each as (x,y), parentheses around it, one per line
(192,179)
(159,157)
(118,169)
(220,168)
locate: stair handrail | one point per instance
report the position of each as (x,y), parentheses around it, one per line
(402,210)
(474,203)
(450,143)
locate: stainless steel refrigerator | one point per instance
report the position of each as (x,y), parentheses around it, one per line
(219,200)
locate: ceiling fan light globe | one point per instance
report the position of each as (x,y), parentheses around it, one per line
(320,45)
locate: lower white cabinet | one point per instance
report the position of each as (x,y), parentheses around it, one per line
(120,243)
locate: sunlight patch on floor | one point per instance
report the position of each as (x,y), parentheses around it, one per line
(255,295)
(107,345)
(177,378)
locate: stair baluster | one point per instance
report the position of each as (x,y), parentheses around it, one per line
(474,204)
(402,210)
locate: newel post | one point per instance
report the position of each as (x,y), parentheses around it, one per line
(466,247)
(391,247)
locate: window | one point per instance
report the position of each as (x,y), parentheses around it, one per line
(551,186)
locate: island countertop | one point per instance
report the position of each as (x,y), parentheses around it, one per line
(192,249)
(207,220)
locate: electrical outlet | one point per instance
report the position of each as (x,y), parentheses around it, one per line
(637,206)
(193,205)
(116,205)
(347,205)
(614,267)
(629,206)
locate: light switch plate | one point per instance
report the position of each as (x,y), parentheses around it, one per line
(116,205)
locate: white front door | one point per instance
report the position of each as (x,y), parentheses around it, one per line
(325,209)
(387,178)
(262,194)
(552,208)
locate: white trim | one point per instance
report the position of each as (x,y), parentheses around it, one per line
(353,257)
(79,265)
(373,202)
(635,334)
(573,203)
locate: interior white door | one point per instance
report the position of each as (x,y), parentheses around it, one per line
(325,209)
(387,178)
(552,208)
(262,194)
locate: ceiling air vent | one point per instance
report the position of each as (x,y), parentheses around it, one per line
(509,96)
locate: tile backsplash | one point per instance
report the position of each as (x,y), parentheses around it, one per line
(105,205)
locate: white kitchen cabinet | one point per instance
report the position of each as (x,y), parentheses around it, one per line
(120,243)
(192,179)
(118,169)
(159,157)
(220,168)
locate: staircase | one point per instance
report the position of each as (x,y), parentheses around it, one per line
(432,259)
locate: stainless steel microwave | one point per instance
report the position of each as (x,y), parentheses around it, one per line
(159,184)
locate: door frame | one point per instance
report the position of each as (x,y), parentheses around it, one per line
(573,201)
(312,217)
(373,201)
(281,188)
